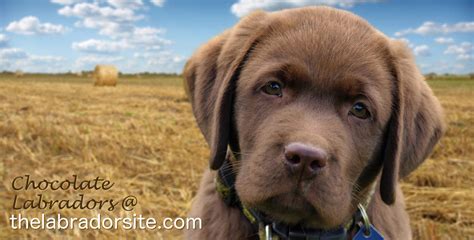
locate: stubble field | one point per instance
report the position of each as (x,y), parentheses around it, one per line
(142,136)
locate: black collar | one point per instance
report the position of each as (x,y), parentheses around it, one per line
(225,181)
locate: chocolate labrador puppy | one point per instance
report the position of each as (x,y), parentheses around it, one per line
(312,116)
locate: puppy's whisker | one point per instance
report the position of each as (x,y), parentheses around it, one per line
(243,153)
(355,193)
(233,169)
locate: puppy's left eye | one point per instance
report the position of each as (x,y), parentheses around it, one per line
(360,110)
(273,88)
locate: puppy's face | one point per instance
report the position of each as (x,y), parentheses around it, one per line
(316,102)
(311,110)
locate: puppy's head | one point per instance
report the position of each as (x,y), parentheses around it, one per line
(315,103)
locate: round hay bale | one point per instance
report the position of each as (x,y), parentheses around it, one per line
(105,75)
(79,74)
(19,73)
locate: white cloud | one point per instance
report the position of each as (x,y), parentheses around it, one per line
(163,61)
(65,2)
(148,37)
(109,21)
(12,54)
(148,31)
(142,55)
(158,3)
(106,27)
(159,61)
(94,11)
(3,41)
(117,21)
(463,51)
(465,57)
(31,25)
(35,63)
(443,40)
(161,58)
(243,7)
(459,66)
(133,4)
(459,49)
(89,61)
(422,50)
(45,59)
(12,59)
(100,46)
(436,28)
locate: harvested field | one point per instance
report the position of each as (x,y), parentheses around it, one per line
(141,135)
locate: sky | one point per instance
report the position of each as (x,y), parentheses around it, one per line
(160,35)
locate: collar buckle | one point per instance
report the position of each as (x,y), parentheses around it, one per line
(365,219)
(268,232)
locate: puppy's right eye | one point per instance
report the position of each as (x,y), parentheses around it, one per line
(273,88)
(360,110)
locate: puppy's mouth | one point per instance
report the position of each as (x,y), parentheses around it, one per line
(291,208)
(318,201)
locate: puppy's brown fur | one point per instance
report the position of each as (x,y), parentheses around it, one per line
(326,59)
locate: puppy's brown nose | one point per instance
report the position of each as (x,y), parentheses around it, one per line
(305,159)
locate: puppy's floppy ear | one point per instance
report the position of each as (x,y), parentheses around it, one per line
(242,39)
(416,123)
(211,75)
